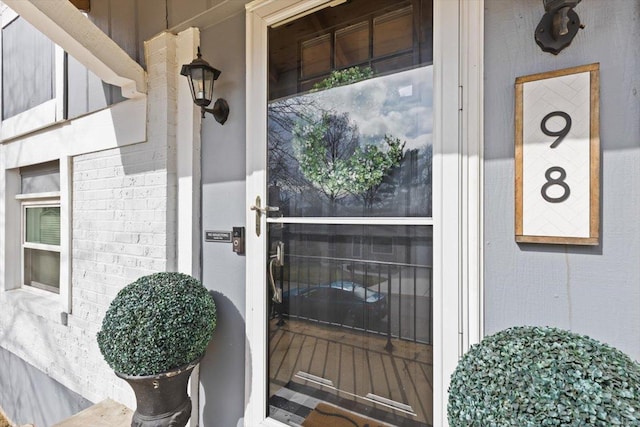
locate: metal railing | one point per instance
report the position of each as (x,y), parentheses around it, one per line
(391,299)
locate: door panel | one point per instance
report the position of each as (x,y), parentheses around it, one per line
(349,154)
(355,325)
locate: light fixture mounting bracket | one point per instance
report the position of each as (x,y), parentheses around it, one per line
(220,110)
(558,26)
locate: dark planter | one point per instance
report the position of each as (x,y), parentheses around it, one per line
(162,400)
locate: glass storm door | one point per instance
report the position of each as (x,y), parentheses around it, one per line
(349,231)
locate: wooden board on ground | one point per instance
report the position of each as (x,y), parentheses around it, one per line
(107,413)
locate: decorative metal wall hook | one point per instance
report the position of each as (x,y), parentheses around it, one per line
(558,26)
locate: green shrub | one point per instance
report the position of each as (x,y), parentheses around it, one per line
(344,77)
(534,376)
(159,322)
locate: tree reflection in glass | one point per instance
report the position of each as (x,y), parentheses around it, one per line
(345,150)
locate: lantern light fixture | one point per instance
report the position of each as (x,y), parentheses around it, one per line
(201,76)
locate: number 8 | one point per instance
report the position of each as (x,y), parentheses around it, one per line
(555,181)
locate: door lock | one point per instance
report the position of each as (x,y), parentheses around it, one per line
(261,210)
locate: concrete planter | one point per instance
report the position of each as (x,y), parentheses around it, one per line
(162,399)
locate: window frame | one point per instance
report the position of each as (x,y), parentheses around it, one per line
(457,188)
(53,306)
(38,200)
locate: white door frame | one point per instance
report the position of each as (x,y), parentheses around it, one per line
(457,191)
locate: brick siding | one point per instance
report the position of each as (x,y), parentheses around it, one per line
(123,227)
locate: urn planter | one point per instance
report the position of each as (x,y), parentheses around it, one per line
(154,333)
(162,399)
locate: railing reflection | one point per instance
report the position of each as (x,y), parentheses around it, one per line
(384,298)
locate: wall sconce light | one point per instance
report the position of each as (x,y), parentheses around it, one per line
(558,26)
(201,76)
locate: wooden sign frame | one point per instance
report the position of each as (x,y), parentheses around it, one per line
(557,157)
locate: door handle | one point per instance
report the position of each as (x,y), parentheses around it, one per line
(257,207)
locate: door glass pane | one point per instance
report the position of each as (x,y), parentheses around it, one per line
(362,149)
(351,335)
(354,333)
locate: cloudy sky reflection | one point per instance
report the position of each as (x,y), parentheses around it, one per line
(399,104)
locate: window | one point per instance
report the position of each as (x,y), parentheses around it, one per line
(382,245)
(40,196)
(27,78)
(32,77)
(316,56)
(41,246)
(352,45)
(393,32)
(378,37)
(41,84)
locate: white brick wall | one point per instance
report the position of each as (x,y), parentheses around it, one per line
(119,234)
(119,217)
(123,227)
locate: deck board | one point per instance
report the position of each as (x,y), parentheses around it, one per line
(356,362)
(107,413)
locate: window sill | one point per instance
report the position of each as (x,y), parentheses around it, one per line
(35,302)
(39,196)
(32,120)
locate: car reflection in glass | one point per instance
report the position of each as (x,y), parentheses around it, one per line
(341,302)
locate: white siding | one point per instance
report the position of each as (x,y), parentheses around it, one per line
(123,227)
(590,290)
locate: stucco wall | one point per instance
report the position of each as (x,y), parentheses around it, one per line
(590,290)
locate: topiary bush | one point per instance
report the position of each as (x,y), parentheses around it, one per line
(541,376)
(157,323)
(344,77)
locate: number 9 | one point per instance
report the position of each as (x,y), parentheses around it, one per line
(560,133)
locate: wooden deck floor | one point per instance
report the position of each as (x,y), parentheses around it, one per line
(356,363)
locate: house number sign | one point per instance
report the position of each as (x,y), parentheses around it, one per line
(557,153)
